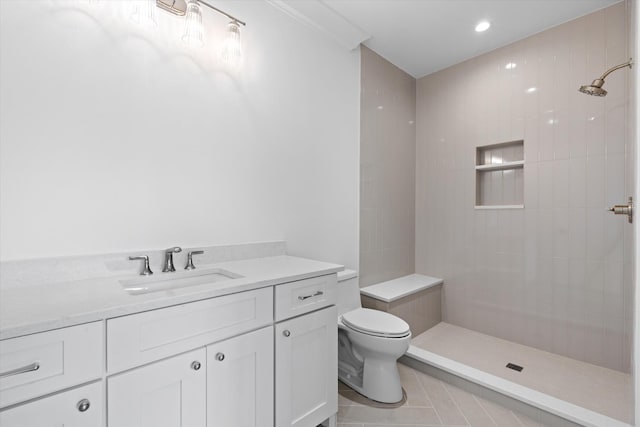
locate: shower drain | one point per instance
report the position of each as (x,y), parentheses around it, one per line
(515,367)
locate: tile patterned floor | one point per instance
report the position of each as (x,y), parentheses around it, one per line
(429,402)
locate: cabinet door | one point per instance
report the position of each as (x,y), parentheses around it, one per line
(169,393)
(80,407)
(240,381)
(307,369)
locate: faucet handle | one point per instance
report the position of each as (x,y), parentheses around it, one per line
(190,265)
(168,258)
(146,271)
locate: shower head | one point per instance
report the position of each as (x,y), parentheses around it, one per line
(595,88)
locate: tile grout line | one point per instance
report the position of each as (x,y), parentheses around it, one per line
(518,418)
(424,390)
(484,409)
(444,385)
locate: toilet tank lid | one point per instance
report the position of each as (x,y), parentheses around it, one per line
(346,274)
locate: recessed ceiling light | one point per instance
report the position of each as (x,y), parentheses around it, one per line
(532,89)
(482,26)
(511,66)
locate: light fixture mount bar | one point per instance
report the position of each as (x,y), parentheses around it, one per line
(221,12)
(176,7)
(179,7)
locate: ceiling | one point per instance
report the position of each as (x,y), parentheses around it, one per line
(424,36)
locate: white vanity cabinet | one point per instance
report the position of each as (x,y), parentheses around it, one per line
(153,335)
(306,353)
(224,379)
(167,393)
(80,407)
(228,384)
(265,357)
(240,381)
(36,365)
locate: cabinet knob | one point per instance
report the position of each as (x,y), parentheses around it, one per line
(83,405)
(195,365)
(220,357)
(286,333)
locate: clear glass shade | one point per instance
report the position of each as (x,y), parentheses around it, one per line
(232,45)
(193,31)
(145,13)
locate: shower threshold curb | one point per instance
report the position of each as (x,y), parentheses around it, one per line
(543,402)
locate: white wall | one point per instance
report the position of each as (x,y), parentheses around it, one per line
(115,138)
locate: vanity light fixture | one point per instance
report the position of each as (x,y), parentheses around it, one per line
(232,46)
(482,26)
(194,32)
(145,13)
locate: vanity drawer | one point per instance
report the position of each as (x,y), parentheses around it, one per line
(34,365)
(79,407)
(152,335)
(295,298)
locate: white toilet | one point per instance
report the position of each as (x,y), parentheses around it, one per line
(369,344)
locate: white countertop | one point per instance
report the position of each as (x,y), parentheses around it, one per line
(30,309)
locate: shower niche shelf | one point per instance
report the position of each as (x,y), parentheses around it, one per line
(500,176)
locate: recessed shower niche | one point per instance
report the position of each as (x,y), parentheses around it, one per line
(500,176)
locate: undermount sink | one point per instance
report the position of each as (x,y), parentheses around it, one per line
(168,281)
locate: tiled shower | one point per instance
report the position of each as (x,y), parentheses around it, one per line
(555,274)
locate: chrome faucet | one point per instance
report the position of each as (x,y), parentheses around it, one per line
(190,265)
(168,258)
(146,271)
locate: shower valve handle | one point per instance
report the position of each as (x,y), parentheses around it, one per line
(624,210)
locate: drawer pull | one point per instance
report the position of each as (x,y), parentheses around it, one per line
(29,368)
(83,405)
(304,297)
(195,365)
(220,357)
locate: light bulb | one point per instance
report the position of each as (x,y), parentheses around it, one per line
(193,31)
(232,46)
(145,13)
(483,26)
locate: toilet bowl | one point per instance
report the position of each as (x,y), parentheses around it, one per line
(369,345)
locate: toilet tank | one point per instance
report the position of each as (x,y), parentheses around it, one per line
(348,291)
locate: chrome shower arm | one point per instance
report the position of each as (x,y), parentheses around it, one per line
(629,64)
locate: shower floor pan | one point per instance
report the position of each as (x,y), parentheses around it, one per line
(559,387)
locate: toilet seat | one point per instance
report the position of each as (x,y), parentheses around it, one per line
(376,323)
